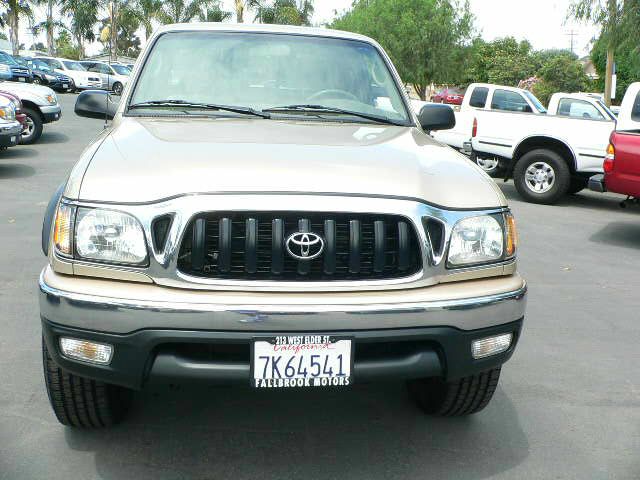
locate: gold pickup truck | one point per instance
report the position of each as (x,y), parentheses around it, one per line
(267,209)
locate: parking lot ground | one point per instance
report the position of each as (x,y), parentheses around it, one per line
(568,405)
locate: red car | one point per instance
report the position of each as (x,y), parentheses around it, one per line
(20,117)
(450,96)
(622,162)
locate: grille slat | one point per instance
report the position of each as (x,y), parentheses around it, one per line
(251,246)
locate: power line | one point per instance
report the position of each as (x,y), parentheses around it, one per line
(572,34)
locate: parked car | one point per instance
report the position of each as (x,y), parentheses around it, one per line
(622,162)
(579,105)
(43,74)
(12,70)
(10,128)
(20,116)
(548,154)
(450,96)
(328,241)
(82,79)
(114,77)
(39,104)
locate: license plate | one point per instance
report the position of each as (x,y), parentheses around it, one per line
(65,85)
(301,361)
(21,79)
(13,139)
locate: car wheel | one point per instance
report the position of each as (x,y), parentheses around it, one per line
(491,166)
(81,402)
(37,81)
(117,88)
(33,128)
(465,396)
(542,176)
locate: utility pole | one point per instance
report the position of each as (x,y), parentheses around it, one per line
(113,47)
(612,7)
(572,34)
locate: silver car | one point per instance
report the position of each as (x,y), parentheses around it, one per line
(114,77)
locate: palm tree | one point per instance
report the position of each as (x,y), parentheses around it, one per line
(181,11)
(84,16)
(284,12)
(49,25)
(15,10)
(240,5)
(148,11)
(214,13)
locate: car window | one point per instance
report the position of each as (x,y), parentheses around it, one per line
(479,97)
(635,109)
(121,69)
(74,65)
(255,70)
(509,101)
(53,63)
(7,59)
(572,107)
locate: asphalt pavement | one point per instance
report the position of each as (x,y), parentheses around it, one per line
(568,404)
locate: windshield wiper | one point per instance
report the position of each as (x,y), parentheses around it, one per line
(201,106)
(325,109)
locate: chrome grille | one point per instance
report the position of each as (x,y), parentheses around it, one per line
(251,246)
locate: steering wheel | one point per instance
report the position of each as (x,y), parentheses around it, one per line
(333,93)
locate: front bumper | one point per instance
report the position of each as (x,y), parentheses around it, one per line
(177,335)
(51,113)
(10,134)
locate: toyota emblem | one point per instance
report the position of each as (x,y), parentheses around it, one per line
(305,245)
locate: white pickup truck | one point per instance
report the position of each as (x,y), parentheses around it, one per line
(548,153)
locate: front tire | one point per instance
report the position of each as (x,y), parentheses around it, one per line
(542,176)
(117,88)
(465,396)
(37,81)
(33,130)
(81,402)
(491,166)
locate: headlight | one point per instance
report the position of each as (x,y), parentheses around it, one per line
(482,239)
(109,236)
(8,113)
(51,98)
(4,68)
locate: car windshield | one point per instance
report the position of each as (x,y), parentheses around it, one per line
(267,71)
(7,59)
(40,65)
(121,69)
(535,101)
(74,66)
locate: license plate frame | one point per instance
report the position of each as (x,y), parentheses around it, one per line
(309,381)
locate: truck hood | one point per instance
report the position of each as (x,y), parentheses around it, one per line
(146,160)
(26,89)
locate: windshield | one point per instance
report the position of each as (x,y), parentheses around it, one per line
(262,71)
(121,69)
(74,66)
(7,59)
(536,103)
(608,111)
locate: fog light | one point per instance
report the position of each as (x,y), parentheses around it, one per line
(491,345)
(86,351)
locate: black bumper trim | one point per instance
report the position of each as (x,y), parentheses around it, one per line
(147,356)
(596,183)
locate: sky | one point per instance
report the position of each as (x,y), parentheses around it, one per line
(542,22)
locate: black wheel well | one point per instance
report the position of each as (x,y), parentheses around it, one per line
(548,143)
(32,106)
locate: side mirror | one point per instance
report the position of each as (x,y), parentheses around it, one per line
(96,104)
(436,117)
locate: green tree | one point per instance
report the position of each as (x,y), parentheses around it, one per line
(618,20)
(214,13)
(240,6)
(84,16)
(65,47)
(181,11)
(283,12)
(125,42)
(421,36)
(627,64)
(561,72)
(504,61)
(15,11)
(148,11)
(49,25)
